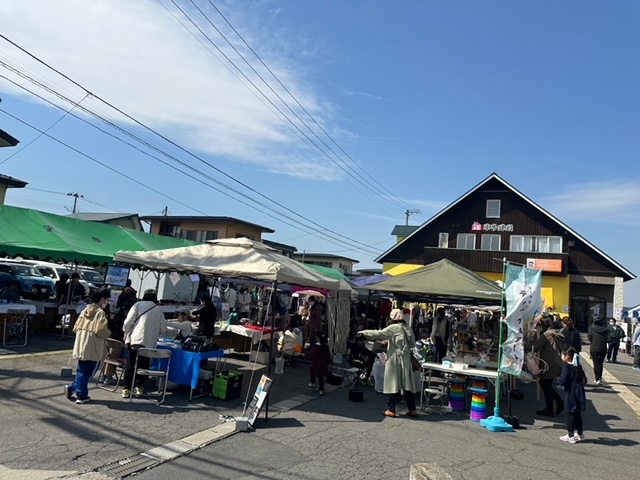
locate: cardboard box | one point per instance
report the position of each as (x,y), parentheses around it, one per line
(259,357)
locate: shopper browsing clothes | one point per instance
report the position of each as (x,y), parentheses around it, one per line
(573,380)
(142,328)
(398,373)
(91,330)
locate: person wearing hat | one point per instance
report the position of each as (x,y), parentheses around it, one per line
(398,372)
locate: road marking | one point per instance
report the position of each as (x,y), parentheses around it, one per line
(622,390)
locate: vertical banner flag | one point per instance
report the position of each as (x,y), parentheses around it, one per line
(524,302)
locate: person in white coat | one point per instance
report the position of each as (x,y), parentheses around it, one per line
(398,373)
(143,326)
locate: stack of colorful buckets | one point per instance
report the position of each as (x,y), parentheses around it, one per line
(478,399)
(456,394)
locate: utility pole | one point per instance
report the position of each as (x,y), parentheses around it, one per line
(408,213)
(75,196)
(165,212)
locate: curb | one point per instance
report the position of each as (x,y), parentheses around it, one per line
(170,451)
(13,356)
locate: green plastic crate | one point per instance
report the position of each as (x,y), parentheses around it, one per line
(227,385)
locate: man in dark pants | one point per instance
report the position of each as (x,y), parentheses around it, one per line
(440,334)
(597,336)
(615,335)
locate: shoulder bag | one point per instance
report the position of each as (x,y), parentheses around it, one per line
(127,340)
(415,364)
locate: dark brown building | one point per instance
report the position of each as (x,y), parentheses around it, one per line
(494,221)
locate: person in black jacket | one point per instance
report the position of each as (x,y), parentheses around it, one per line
(207,315)
(598,349)
(571,335)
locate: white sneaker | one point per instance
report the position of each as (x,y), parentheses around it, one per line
(138,391)
(568,439)
(599,382)
(579,438)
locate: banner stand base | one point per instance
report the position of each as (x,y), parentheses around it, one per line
(496,423)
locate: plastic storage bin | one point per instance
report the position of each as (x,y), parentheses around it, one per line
(227,385)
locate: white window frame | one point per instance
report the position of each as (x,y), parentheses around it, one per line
(536,243)
(492,206)
(443,240)
(466,237)
(491,237)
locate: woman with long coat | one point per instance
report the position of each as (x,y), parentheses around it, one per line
(398,374)
(549,345)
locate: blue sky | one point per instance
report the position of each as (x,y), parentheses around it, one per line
(428,98)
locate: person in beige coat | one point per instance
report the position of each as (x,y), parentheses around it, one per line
(91,330)
(398,374)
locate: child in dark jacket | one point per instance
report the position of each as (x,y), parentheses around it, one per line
(573,379)
(320,357)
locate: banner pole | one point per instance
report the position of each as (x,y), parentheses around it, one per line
(496,423)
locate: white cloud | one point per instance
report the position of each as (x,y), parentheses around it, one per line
(613,202)
(138,57)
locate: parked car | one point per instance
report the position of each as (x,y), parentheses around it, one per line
(55,270)
(93,279)
(27,277)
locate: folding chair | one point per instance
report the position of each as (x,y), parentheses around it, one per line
(16,324)
(350,374)
(110,359)
(153,354)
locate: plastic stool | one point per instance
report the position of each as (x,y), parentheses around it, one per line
(456,394)
(478,404)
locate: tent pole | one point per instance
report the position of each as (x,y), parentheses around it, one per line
(273,332)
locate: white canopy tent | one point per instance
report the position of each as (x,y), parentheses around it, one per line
(230,258)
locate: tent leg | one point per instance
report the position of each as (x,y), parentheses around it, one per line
(273,332)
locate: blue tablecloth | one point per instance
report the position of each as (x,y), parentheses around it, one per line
(185,366)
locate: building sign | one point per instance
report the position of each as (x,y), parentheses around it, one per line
(491,227)
(545,264)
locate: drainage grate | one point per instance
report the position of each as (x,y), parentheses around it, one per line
(130,465)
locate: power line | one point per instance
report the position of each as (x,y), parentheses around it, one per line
(170,166)
(98,161)
(279,218)
(144,126)
(309,139)
(399,202)
(46,130)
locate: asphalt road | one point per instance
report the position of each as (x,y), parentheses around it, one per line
(334,438)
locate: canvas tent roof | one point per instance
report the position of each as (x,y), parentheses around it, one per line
(230,258)
(442,282)
(345,284)
(44,236)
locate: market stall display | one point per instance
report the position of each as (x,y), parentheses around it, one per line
(185,365)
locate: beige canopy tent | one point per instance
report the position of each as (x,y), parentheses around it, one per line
(230,258)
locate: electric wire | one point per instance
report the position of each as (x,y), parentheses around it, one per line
(144,126)
(398,200)
(275,217)
(291,122)
(98,161)
(46,130)
(297,226)
(346,168)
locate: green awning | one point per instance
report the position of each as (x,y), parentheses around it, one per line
(329,272)
(43,236)
(442,282)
